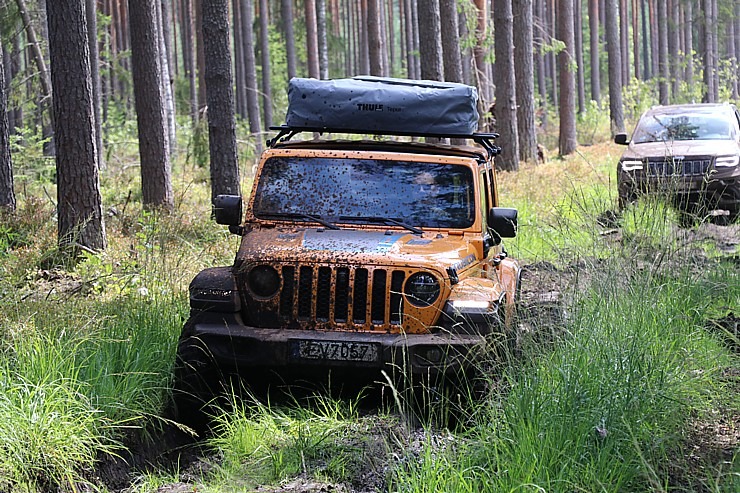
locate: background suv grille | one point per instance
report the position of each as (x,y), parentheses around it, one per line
(688,166)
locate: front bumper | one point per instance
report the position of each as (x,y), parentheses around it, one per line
(226,341)
(716,193)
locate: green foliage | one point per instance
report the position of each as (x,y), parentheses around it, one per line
(637,97)
(606,407)
(592,124)
(30,165)
(266,445)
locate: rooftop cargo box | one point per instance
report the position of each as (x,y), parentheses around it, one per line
(383,105)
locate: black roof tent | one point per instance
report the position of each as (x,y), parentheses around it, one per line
(383,106)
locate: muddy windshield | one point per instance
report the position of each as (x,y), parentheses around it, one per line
(366,191)
(695,126)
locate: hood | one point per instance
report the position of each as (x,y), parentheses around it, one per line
(681,148)
(351,246)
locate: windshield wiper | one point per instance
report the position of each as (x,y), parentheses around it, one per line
(383,220)
(301,215)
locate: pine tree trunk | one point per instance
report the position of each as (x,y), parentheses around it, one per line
(321,34)
(287,13)
(636,39)
(156,180)
(580,77)
(220,97)
(240,92)
(430,41)
(567,142)
(593,23)
(7,195)
(524,75)
(689,42)
(624,41)
(479,52)
(503,78)
(663,53)
(312,40)
(674,49)
(264,19)
(539,40)
(250,67)
(167,86)
(616,111)
(80,211)
(374,41)
(450,41)
(645,37)
(92,27)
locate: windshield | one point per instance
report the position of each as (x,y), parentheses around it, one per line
(698,126)
(416,194)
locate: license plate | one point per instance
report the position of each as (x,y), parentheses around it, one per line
(334,351)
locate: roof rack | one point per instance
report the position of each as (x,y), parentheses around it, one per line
(485,140)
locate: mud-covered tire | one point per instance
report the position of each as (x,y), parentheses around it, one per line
(196,383)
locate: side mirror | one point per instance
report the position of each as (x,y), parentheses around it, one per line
(502,222)
(227,209)
(621,139)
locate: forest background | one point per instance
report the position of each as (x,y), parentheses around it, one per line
(113,145)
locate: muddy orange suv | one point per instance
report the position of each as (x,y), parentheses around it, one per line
(358,255)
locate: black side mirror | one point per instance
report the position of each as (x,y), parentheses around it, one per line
(227,209)
(621,139)
(502,222)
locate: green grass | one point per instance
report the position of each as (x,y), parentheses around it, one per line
(604,404)
(608,408)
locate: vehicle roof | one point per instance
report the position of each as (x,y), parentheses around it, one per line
(473,152)
(673,109)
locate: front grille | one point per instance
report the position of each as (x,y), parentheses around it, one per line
(689,166)
(347,296)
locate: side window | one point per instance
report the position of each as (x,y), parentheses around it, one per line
(490,184)
(484,197)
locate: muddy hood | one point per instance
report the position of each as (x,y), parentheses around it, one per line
(347,246)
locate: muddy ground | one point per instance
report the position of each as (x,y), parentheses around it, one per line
(713,439)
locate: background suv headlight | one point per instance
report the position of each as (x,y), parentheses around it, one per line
(630,164)
(727,161)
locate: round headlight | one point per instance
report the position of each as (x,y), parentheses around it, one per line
(422,289)
(263,281)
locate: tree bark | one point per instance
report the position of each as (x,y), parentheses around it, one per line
(92,25)
(7,195)
(430,40)
(616,111)
(580,77)
(503,78)
(322,38)
(593,23)
(312,40)
(479,53)
(266,65)
(167,86)
(450,41)
(220,97)
(624,41)
(289,32)
(567,142)
(524,76)
(374,42)
(689,42)
(154,148)
(250,65)
(80,210)
(663,53)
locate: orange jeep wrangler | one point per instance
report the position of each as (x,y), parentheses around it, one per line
(357,254)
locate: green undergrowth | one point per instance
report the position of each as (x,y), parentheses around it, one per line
(609,406)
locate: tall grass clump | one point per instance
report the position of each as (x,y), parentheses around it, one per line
(263,444)
(607,408)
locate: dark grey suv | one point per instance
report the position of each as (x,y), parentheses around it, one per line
(690,153)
